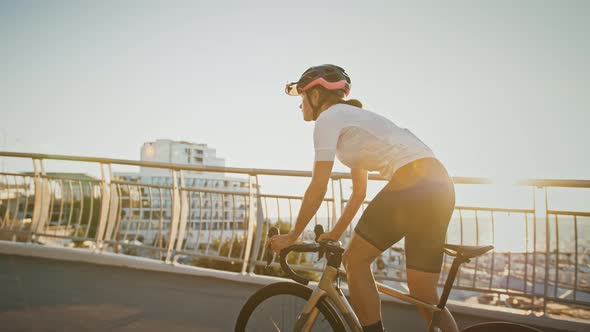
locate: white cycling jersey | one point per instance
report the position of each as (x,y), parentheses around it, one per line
(364,139)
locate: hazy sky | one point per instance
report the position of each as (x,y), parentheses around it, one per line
(496,88)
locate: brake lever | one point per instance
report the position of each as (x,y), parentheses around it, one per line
(319,230)
(269,254)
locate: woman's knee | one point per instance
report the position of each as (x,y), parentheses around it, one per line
(423,285)
(354,261)
(359,254)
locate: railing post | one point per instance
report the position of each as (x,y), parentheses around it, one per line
(252,218)
(104,209)
(38,201)
(113,211)
(5,221)
(41,204)
(178,220)
(175,206)
(258,238)
(547,255)
(184,210)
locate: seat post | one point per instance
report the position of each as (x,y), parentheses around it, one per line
(450,279)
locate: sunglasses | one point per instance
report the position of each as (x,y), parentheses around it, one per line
(292,89)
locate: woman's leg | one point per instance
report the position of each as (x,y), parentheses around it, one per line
(364,296)
(423,285)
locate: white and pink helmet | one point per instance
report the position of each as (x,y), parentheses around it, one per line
(330,77)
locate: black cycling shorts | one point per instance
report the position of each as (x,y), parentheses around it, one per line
(416,203)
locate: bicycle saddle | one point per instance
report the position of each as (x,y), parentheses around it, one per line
(455,250)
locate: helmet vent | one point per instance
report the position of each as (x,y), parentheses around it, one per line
(333,77)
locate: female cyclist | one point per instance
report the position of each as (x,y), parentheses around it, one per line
(416,203)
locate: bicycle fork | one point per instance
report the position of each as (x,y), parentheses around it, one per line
(310,312)
(327,289)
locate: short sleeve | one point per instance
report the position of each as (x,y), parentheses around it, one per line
(325,138)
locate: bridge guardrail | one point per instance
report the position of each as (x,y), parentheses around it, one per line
(178,221)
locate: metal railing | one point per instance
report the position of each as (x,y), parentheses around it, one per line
(546,259)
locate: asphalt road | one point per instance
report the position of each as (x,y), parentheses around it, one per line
(47,295)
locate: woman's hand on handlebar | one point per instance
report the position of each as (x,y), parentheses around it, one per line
(280,242)
(329,236)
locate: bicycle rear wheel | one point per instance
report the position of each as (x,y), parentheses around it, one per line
(499,327)
(276,307)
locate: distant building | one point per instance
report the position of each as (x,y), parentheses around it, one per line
(216,202)
(179,152)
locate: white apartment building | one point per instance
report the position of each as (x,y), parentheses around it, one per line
(180,152)
(216,202)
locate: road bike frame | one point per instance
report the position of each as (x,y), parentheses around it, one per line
(326,289)
(329,290)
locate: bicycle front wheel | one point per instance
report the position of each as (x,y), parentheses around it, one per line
(276,307)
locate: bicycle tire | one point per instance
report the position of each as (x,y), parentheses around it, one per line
(499,327)
(287,291)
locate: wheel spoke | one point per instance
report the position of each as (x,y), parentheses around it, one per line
(276,326)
